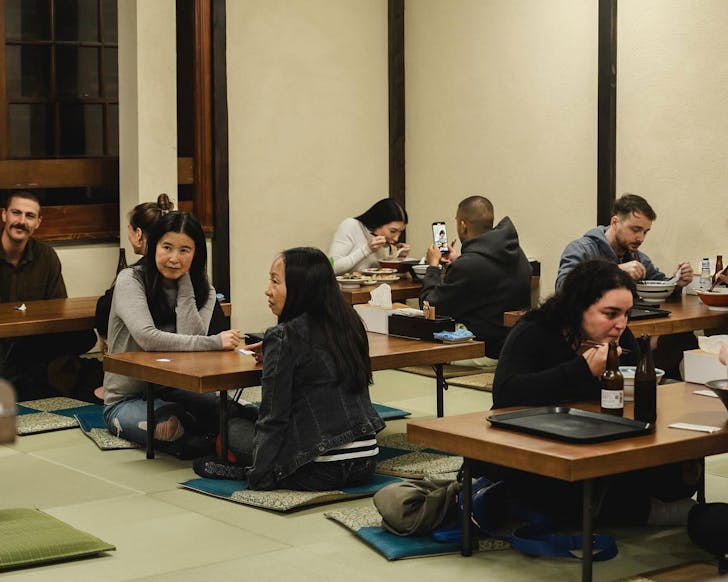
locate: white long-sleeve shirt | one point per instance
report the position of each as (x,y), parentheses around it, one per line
(350,248)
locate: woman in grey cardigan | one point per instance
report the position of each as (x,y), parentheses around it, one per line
(165,305)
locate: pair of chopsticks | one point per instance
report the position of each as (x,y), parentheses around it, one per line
(718,279)
(592,344)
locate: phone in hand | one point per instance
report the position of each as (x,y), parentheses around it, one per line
(253,338)
(439,236)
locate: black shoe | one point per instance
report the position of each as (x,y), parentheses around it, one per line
(213,468)
(194,446)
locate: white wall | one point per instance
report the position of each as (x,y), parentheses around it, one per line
(88,269)
(307,94)
(672,132)
(501,101)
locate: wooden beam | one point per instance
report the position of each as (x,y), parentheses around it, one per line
(607,111)
(221,181)
(395,52)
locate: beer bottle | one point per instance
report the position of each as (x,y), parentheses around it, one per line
(612,384)
(645,384)
(122,261)
(718,267)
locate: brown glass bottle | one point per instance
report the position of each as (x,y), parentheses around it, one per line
(122,261)
(613,384)
(645,384)
(718,267)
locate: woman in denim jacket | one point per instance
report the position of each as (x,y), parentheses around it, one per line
(316,428)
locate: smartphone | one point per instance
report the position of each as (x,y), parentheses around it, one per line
(253,338)
(439,236)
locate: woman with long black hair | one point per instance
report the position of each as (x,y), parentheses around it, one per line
(361,241)
(316,427)
(165,304)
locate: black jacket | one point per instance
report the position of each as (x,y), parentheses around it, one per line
(491,276)
(538,367)
(306,409)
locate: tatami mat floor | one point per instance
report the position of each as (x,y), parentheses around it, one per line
(163,532)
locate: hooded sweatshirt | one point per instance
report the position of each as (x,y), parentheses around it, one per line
(492,275)
(594,245)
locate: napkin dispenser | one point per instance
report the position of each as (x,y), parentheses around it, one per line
(418,327)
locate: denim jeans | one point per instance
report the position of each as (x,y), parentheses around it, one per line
(197,412)
(329,476)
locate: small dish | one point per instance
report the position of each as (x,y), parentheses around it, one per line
(351,282)
(379,271)
(384,278)
(720,387)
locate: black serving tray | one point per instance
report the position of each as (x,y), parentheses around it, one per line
(570,424)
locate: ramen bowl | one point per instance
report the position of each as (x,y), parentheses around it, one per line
(399,265)
(654,291)
(715,300)
(628,374)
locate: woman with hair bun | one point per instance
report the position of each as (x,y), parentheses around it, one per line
(165,305)
(142,219)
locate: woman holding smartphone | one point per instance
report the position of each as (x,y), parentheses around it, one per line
(360,242)
(165,304)
(316,427)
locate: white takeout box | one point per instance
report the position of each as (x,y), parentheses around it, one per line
(701,366)
(376,318)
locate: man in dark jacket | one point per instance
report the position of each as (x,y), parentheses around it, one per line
(491,275)
(40,365)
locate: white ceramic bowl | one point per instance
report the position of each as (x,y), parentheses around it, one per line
(654,291)
(628,373)
(419,271)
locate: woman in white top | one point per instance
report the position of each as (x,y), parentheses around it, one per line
(360,242)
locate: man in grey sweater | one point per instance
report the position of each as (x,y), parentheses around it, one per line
(619,242)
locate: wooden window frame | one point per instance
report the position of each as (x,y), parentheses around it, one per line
(97,222)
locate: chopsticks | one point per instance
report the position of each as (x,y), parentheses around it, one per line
(718,279)
(593,344)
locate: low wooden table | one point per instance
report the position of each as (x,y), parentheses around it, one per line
(53,316)
(471,436)
(687,314)
(401,290)
(223,370)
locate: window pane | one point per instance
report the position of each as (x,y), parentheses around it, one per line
(77,71)
(77,20)
(27,71)
(31,134)
(113,113)
(108,13)
(81,130)
(111,72)
(27,20)
(71,196)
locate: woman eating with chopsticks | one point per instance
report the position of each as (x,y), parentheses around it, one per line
(360,242)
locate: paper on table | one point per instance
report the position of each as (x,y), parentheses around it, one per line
(712,343)
(705,393)
(696,427)
(381,297)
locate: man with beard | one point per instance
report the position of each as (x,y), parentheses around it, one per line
(30,270)
(632,219)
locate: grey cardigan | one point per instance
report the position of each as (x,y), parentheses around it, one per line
(132,329)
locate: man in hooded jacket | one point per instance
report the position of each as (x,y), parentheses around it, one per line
(489,276)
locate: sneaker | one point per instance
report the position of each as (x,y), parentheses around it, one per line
(213,468)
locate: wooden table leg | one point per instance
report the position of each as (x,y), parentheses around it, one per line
(587,532)
(467,493)
(149,393)
(441,384)
(223,425)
